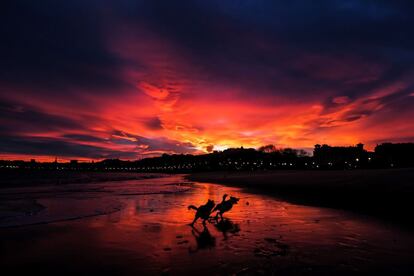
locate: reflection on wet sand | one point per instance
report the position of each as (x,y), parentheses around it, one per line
(226,226)
(204,239)
(151,235)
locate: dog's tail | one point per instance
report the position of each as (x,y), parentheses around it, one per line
(192,207)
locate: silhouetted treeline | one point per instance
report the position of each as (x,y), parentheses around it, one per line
(268,157)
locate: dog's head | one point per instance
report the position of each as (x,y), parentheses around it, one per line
(210,203)
(234,200)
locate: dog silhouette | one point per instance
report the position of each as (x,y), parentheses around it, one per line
(203,212)
(225,205)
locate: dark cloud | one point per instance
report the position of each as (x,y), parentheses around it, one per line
(57,147)
(251,43)
(159,144)
(404,139)
(84,138)
(254,43)
(71,145)
(55,47)
(19,118)
(153,123)
(210,148)
(168,145)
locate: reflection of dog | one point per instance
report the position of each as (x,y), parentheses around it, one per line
(225,205)
(203,238)
(227,226)
(203,211)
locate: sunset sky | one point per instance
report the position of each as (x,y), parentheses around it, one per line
(128,79)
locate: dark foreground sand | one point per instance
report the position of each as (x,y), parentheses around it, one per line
(386,194)
(140,227)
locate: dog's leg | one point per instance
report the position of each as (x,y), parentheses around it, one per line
(195,219)
(216,217)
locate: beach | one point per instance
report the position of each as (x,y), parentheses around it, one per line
(385,194)
(141,227)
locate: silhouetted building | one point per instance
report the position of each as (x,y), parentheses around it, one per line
(340,157)
(395,155)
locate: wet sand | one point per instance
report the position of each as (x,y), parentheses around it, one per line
(140,227)
(385,194)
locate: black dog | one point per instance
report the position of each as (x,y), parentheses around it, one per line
(225,205)
(203,211)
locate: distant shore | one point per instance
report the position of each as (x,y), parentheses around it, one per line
(386,194)
(32,178)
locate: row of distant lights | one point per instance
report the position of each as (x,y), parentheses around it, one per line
(190,166)
(148,168)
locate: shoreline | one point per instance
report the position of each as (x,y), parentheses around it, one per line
(32,178)
(384,194)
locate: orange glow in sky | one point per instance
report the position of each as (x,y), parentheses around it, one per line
(146,80)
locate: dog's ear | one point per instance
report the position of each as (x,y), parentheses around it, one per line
(235,199)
